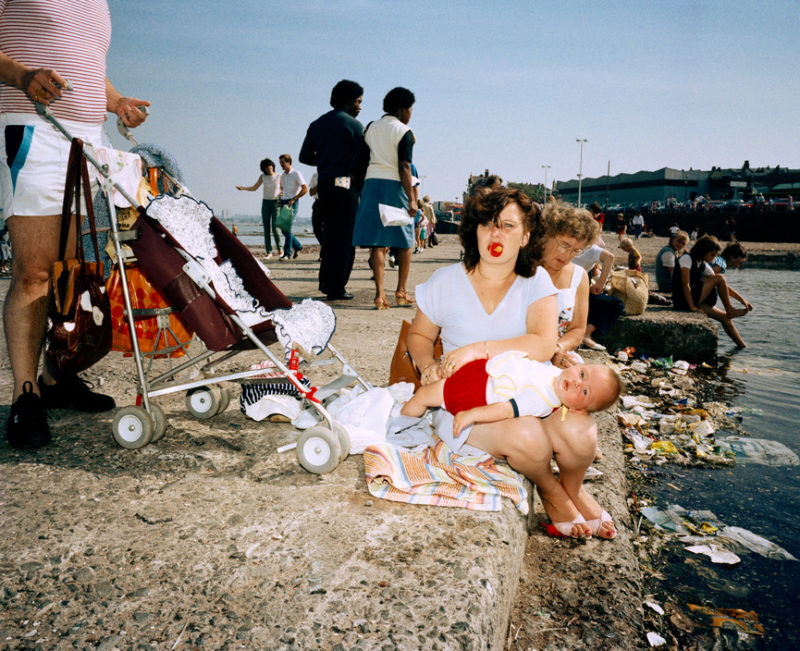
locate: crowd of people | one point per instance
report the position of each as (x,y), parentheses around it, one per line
(528,293)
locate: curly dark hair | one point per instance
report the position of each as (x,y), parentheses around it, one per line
(485,208)
(396,99)
(704,246)
(344,92)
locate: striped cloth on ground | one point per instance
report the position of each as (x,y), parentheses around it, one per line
(438,477)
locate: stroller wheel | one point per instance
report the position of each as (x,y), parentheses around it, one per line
(133,427)
(159,422)
(344,441)
(225,399)
(204,402)
(318,450)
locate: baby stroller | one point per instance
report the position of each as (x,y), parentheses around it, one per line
(225,295)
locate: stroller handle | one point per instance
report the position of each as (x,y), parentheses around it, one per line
(125,132)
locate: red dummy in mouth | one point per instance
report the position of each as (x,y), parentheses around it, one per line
(495,249)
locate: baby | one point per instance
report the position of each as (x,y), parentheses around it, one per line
(511,385)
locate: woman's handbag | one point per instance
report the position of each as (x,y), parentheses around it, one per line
(403,368)
(79,315)
(631,287)
(285,218)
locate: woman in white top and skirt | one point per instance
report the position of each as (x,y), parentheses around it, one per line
(389,182)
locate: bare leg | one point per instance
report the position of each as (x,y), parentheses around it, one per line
(574,444)
(404,264)
(35,244)
(377,261)
(428,395)
(718,281)
(727,324)
(524,443)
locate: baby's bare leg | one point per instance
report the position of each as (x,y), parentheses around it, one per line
(428,395)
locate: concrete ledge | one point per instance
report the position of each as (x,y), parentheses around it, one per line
(770,260)
(662,331)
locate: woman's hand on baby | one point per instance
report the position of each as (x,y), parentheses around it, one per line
(562,360)
(457,358)
(431,373)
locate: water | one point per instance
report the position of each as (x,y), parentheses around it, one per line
(252,233)
(763,499)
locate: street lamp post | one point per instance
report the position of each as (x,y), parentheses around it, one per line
(580,169)
(545,168)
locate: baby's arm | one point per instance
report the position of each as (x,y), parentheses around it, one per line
(487,414)
(428,395)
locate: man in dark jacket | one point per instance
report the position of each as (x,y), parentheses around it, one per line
(333,144)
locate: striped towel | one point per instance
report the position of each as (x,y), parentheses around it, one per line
(439,477)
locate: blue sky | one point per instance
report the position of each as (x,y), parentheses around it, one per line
(504,85)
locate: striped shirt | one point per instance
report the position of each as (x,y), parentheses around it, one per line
(68,36)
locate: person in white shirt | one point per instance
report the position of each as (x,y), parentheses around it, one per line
(293,186)
(271,182)
(501,299)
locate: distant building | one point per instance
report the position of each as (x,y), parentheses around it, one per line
(668,184)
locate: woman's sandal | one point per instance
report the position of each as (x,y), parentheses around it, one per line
(563,529)
(381,304)
(595,524)
(402,299)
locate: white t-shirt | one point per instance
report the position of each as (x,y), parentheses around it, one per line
(448,299)
(589,257)
(668,258)
(292,182)
(685,262)
(271,185)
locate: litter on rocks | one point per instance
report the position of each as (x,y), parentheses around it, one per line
(716,554)
(761,451)
(730,618)
(655,640)
(696,526)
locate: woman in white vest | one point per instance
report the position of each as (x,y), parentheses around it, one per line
(388,182)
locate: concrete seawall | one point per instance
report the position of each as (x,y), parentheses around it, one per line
(211,537)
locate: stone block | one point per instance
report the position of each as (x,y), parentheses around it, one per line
(661,332)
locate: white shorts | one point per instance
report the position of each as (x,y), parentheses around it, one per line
(33,162)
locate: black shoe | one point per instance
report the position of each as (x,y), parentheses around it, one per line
(72,392)
(344,296)
(296,253)
(27,427)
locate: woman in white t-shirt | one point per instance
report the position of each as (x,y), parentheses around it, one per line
(497,300)
(271,182)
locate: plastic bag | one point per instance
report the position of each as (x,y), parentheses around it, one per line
(285,218)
